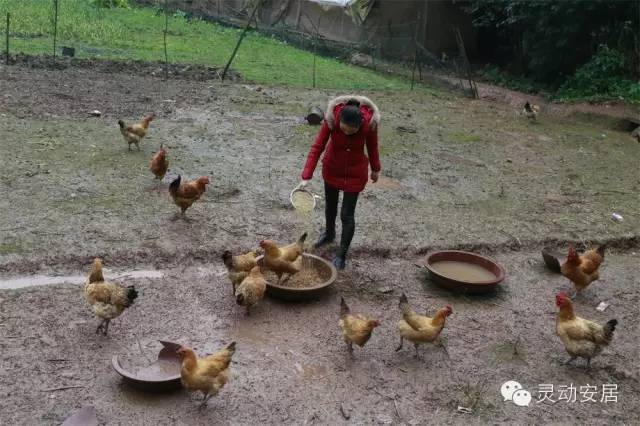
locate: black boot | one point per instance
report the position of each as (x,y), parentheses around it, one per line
(340,261)
(324,239)
(330,212)
(347,215)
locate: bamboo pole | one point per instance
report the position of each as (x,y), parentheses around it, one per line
(166,27)
(55,26)
(415,51)
(244,32)
(315,51)
(6,58)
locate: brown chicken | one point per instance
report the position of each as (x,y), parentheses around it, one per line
(582,270)
(285,259)
(159,163)
(356,328)
(107,300)
(581,338)
(251,289)
(238,266)
(134,133)
(420,329)
(207,375)
(187,193)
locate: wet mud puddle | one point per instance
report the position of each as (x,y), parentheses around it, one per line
(37,280)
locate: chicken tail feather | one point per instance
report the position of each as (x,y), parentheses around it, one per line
(239,298)
(227,258)
(601,250)
(403,300)
(132,294)
(407,313)
(609,328)
(303,237)
(175,184)
(344,308)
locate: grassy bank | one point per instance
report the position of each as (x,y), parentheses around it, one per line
(137,33)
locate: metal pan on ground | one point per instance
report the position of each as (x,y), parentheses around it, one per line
(324,269)
(552,259)
(464,272)
(161,376)
(86,416)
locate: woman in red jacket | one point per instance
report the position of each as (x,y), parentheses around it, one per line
(351,123)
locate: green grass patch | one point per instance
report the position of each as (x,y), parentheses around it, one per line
(463,137)
(137,33)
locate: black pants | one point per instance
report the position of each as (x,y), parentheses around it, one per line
(347,215)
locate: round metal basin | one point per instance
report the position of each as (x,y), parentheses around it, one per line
(462,286)
(325,270)
(161,376)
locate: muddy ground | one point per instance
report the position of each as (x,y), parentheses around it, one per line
(457,173)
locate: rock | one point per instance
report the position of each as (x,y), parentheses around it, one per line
(95,113)
(361,59)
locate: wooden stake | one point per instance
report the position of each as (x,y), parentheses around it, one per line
(315,50)
(7,41)
(415,51)
(55,26)
(244,32)
(166,27)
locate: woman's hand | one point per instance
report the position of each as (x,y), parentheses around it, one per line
(375,176)
(303,184)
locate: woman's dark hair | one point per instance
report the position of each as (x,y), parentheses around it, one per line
(350,114)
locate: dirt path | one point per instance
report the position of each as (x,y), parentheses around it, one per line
(456,174)
(608,111)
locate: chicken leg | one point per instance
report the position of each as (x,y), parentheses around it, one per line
(184,215)
(103,327)
(401,343)
(204,402)
(444,348)
(100,328)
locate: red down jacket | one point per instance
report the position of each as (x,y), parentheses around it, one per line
(345,166)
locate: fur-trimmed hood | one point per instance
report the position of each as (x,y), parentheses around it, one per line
(364,101)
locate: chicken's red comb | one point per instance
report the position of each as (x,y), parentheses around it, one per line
(562,295)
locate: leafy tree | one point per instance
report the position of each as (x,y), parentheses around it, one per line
(550,40)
